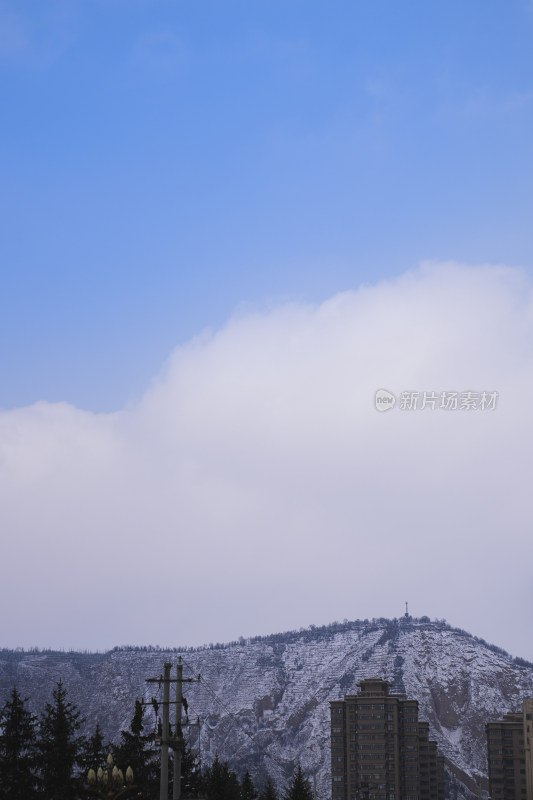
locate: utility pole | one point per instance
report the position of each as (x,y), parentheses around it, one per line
(178,738)
(175,741)
(163,786)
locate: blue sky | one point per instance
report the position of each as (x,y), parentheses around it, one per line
(225,225)
(163,163)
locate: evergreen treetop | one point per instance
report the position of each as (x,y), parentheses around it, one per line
(248,791)
(136,750)
(269,792)
(59,747)
(93,751)
(299,788)
(18,778)
(220,783)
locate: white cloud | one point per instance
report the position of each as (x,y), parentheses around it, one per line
(255,488)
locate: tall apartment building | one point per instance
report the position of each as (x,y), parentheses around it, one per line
(380,750)
(509,755)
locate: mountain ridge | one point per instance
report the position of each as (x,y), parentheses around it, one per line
(264,701)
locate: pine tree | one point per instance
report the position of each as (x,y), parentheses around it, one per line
(93,752)
(59,747)
(248,791)
(191,778)
(269,792)
(17,750)
(220,783)
(136,750)
(299,788)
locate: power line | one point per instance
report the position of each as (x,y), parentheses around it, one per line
(274,759)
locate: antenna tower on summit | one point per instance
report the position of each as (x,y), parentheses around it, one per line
(406,609)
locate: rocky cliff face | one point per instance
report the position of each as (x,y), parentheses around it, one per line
(264,703)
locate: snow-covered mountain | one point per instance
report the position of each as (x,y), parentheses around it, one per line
(264,702)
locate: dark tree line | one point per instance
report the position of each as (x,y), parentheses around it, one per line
(45,758)
(218,782)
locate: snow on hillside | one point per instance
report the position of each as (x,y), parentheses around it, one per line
(264,703)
